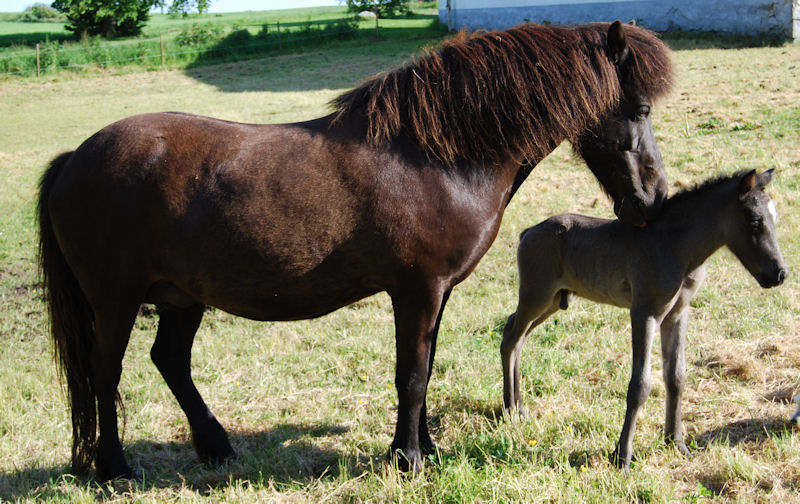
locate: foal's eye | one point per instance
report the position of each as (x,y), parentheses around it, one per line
(643,111)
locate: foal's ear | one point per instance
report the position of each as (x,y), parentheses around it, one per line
(766,177)
(748,182)
(617,43)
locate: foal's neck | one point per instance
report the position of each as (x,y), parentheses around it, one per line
(696,227)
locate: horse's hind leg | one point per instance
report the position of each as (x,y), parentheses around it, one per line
(171,353)
(112,332)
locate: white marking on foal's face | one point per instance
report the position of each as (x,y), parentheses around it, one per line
(772,210)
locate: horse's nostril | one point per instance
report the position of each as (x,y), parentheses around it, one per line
(781,276)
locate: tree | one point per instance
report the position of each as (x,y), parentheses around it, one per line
(183,7)
(383,8)
(107,18)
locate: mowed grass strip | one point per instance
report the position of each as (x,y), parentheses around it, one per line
(310,405)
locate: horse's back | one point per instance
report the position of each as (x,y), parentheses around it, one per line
(213,208)
(265,221)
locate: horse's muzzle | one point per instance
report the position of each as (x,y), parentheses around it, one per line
(773,279)
(634,212)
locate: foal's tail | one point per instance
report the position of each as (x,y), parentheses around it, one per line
(71,326)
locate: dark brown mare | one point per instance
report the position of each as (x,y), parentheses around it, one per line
(401,189)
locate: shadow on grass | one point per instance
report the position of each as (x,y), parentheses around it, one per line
(31,39)
(491,410)
(756,430)
(679,41)
(286,454)
(241,62)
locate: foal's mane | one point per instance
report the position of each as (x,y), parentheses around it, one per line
(518,93)
(701,190)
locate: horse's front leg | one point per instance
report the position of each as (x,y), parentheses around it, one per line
(426,444)
(643,325)
(416,315)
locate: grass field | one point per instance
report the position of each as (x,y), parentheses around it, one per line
(167,42)
(310,405)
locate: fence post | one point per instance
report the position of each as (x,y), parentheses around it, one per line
(38,70)
(280,43)
(161,39)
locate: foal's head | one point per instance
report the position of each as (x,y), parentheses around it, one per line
(621,149)
(751,228)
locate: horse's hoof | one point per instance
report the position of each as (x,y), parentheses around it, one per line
(117,471)
(427,447)
(410,463)
(213,449)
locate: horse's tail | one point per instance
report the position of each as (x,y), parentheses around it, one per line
(71,326)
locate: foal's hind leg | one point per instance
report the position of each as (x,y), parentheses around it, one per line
(112,331)
(171,353)
(673,343)
(518,326)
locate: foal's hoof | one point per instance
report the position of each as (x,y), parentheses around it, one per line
(681,447)
(516,412)
(620,462)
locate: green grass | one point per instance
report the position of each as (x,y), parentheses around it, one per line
(199,40)
(310,404)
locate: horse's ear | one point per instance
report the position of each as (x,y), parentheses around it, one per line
(617,43)
(766,177)
(748,182)
(632,22)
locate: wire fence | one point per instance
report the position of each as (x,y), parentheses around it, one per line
(198,43)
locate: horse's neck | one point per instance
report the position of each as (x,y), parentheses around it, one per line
(697,230)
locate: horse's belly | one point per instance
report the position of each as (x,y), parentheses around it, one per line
(286,304)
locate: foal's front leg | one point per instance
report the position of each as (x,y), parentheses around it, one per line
(643,327)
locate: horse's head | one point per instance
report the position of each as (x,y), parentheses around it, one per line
(751,228)
(621,149)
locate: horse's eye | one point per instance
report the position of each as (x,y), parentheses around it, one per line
(643,111)
(757,225)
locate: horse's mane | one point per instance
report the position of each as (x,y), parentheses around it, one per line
(519,92)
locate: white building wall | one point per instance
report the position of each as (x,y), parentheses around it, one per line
(778,18)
